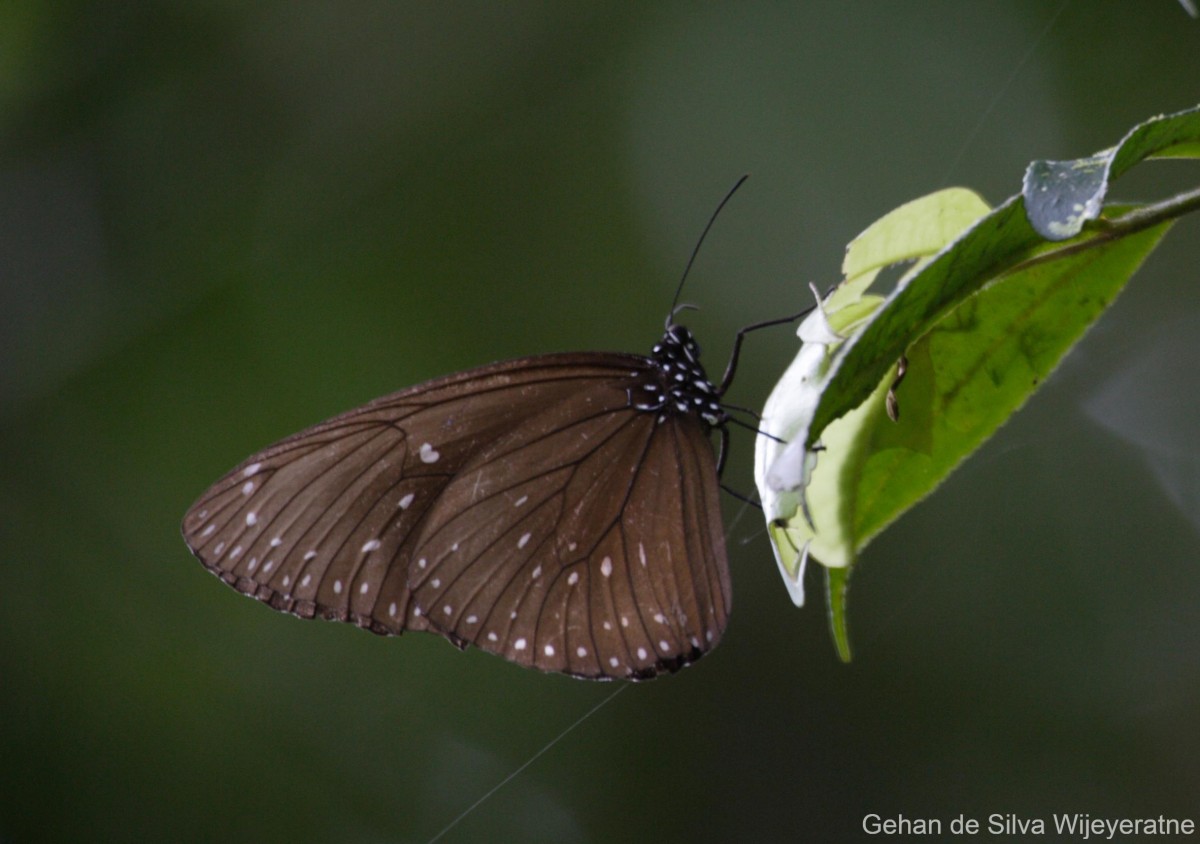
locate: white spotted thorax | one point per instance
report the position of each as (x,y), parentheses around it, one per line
(683,386)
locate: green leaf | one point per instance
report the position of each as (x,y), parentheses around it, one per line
(980,363)
(837,586)
(1060,196)
(913,231)
(996,243)
(983,316)
(993,246)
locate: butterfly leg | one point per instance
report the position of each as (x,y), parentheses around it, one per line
(724,450)
(731,367)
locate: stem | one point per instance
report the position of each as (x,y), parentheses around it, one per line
(1151,215)
(1103,229)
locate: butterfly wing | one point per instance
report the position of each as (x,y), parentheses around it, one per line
(588,541)
(321,523)
(335,521)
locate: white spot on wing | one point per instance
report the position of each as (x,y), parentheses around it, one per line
(448,610)
(537,572)
(421,563)
(370,545)
(392,609)
(663,646)
(471,619)
(247,487)
(406,501)
(642,653)
(581,651)
(429,454)
(310,555)
(337,587)
(208,530)
(606,567)
(613,661)
(236,552)
(307,580)
(492,637)
(549,650)
(251,470)
(270,564)
(436,582)
(573,578)
(642,553)
(519,644)
(276,542)
(520,500)
(523,540)
(251,519)
(362,590)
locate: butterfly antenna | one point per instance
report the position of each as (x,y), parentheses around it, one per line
(695,251)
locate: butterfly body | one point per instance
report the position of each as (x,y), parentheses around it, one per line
(560,511)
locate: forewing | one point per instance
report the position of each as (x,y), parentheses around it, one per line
(324,522)
(588,541)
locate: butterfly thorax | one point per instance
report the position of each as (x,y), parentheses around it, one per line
(682,385)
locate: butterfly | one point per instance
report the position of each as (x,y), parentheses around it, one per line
(560,511)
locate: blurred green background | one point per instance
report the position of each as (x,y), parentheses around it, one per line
(223,222)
